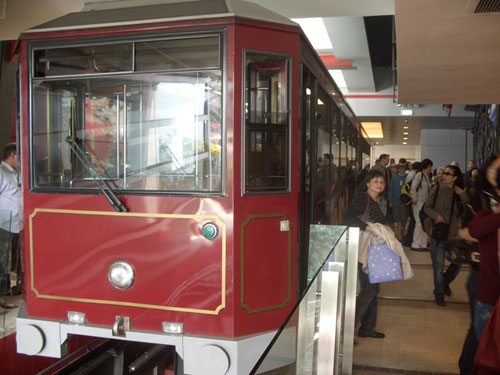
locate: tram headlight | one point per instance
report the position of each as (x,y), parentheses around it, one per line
(121,275)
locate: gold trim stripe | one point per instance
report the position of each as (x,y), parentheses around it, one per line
(219,222)
(242,241)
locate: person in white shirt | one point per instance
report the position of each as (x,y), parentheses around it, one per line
(11,209)
(415,167)
(420,188)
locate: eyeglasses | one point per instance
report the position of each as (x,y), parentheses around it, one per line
(448,174)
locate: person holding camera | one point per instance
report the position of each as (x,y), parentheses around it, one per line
(445,206)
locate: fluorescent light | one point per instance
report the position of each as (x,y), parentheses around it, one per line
(338,77)
(407,112)
(405,127)
(405,143)
(405,133)
(373,129)
(315,30)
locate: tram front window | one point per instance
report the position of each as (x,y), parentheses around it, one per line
(153,132)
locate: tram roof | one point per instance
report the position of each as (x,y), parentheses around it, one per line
(136,12)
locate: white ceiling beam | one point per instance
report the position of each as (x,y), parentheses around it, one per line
(349,42)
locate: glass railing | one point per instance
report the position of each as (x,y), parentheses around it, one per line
(317,337)
(5,262)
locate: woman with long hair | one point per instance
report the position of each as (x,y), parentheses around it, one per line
(445,205)
(362,210)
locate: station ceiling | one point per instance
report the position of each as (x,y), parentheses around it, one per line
(446,53)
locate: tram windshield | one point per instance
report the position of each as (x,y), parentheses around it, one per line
(157,131)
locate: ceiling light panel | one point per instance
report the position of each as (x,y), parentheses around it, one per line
(338,77)
(315,30)
(373,129)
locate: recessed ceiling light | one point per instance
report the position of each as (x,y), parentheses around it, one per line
(405,143)
(405,127)
(405,133)
(373,129)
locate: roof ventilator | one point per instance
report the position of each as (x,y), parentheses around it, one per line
(487,6)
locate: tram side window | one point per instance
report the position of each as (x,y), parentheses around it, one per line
(160,131)
(267,133)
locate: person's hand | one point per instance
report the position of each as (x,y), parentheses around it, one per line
(440,219)
(464,234)
(458,190)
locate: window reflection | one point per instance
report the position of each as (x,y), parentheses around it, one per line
(162,133)
(266,123)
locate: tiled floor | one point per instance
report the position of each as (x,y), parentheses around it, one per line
(421,337)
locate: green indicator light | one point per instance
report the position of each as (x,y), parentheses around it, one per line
(209,231)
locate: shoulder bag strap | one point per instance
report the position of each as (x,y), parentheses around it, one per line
(435,197)
(452,206)
(366,214)
(420,183)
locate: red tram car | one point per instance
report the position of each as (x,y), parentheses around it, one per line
(174,156)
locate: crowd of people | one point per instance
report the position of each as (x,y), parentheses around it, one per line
(444,205)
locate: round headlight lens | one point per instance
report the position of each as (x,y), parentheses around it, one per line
(121,275)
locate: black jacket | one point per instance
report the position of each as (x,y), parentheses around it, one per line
(357,208)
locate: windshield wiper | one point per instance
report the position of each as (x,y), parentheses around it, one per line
(106,190)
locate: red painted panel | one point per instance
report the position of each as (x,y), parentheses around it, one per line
(165,251)
(284,42)
(266,265)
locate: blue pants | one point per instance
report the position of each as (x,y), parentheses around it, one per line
(441,280)
(482,313)
(366,303)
